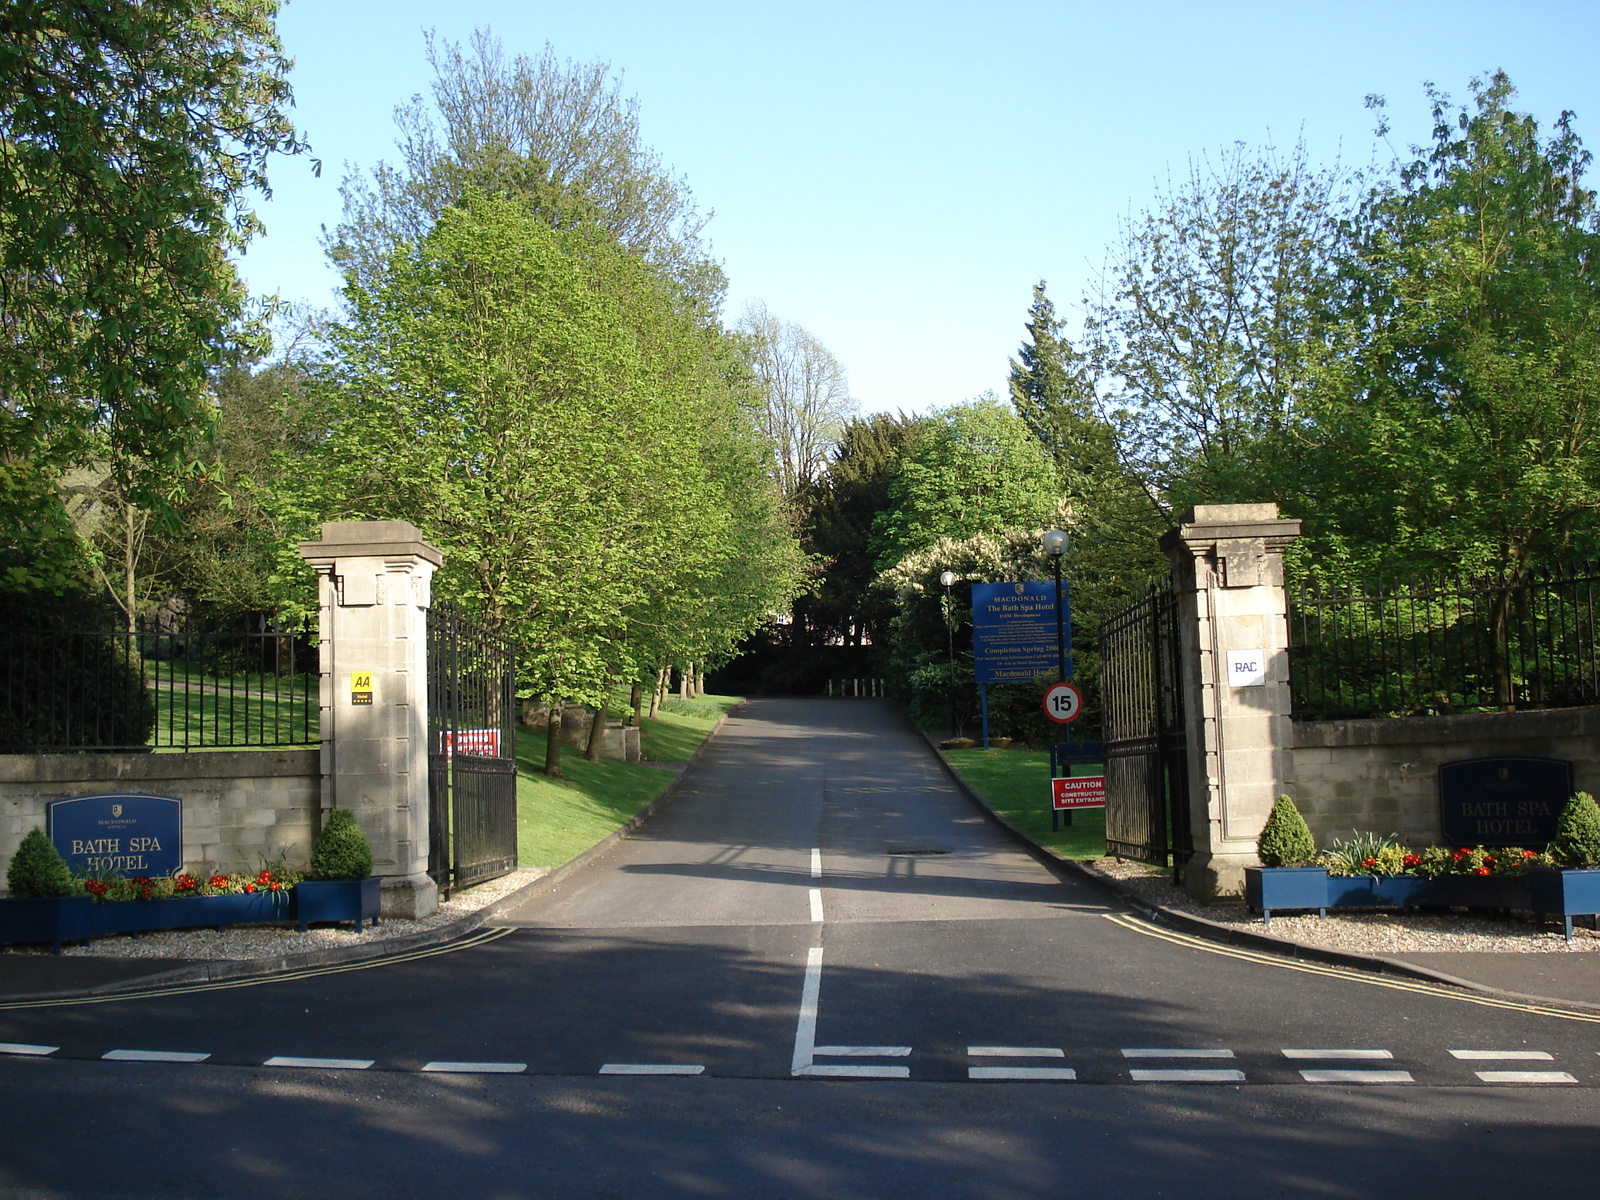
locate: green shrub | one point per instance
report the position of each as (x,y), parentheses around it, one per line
(341,850)
(1285,840)
(1577,840)
(37,869)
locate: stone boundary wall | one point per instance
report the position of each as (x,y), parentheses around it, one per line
(1381,776)
(237,804)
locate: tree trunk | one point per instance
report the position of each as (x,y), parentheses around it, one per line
(636,700)
(683,681)
(552,742)
(597,734)
(657,692)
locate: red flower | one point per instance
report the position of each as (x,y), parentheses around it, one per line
(218,881)
(250,887)
(264,878)
(96,888)
(1460,854)
(275,886)
(1529,854)
(185,883)
(1481,871)
(1413,860)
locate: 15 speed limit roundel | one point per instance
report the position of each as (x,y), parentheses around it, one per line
(1063,703)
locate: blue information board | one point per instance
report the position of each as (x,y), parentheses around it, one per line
(1014,630)
(127,834)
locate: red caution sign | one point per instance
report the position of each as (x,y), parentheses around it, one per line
(1081,791)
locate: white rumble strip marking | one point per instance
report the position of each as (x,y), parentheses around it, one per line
(652,1069)
(816,863)
(26,1048)
(1015,1052)
(1062,1073)
(1329,1054)
(1186,1075)
(1169,1052)
(476,1068)
(816,905)
(172,1056)
(862,1051)
(854,1071)
(1525,1077)
(1347,1076)
(331,1064)
(1503,1055)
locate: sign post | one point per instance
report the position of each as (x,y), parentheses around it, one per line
(1014,635)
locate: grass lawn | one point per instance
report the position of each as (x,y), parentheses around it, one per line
(558,819)
(1016,783)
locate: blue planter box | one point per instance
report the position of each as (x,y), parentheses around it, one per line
(355,900)
(1270,888)
(77,918)
(1565,894)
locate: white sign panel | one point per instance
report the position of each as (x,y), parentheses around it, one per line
(1247,668)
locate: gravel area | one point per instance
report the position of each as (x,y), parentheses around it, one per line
(1384,933)
(243,942)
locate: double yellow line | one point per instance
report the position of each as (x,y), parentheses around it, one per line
(1438,990)
(466,943)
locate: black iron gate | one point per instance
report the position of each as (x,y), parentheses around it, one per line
(472,766)
(1146,757)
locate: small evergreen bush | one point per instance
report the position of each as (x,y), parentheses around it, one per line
(1285,839)
(37,869)
(341,850)
(1577,840)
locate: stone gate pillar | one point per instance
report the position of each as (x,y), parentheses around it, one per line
(1227,573)
(373,582)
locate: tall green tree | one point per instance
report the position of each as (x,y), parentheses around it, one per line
(1457,424)
(131,135)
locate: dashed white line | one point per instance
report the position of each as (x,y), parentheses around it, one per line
(1502,1055)
(1349,1076)
(26,1048)
(477,1068)
(854,1071)
(1062,1073)
(1330,1054)
(652,1069)
(1169,1052)
(816,905)
(1185,1075)
(173,1056)
(862,1051)
(1525,1077)
(331,1064)
(1015,1052)
(816,863)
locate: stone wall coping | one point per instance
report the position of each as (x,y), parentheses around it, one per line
(369,539)
(199,764)
(1277,533)
(1466,728)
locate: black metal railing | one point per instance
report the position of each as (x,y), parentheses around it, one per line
(172,682)
(1446,644)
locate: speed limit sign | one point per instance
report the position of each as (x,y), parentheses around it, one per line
(1063,703)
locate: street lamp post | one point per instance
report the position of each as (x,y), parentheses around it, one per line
(948,578)
(1055,545)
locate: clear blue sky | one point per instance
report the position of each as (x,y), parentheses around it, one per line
(895,176)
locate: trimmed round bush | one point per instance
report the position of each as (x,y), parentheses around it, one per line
(37,870)
(341,850)
(1577,840)
(1286,839)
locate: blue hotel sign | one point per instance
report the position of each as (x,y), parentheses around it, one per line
(1014,630)
(125,834)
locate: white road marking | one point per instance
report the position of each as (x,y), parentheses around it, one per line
(816,863)
(1066,1073)
(1502,1055)
(1168,1052)
(26,1048)
(652,1069)
(1347,1076)
(862,1051)
(805,1030)
(816,905)
(855,1071)
(1186,1075)
(1015,1052)
(1525,1077)
(331,1064)
(477,1068)
(178,1056)
(1337,1054)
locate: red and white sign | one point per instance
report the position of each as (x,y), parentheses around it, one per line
(1063,703)
(1081,791)
(483,742)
